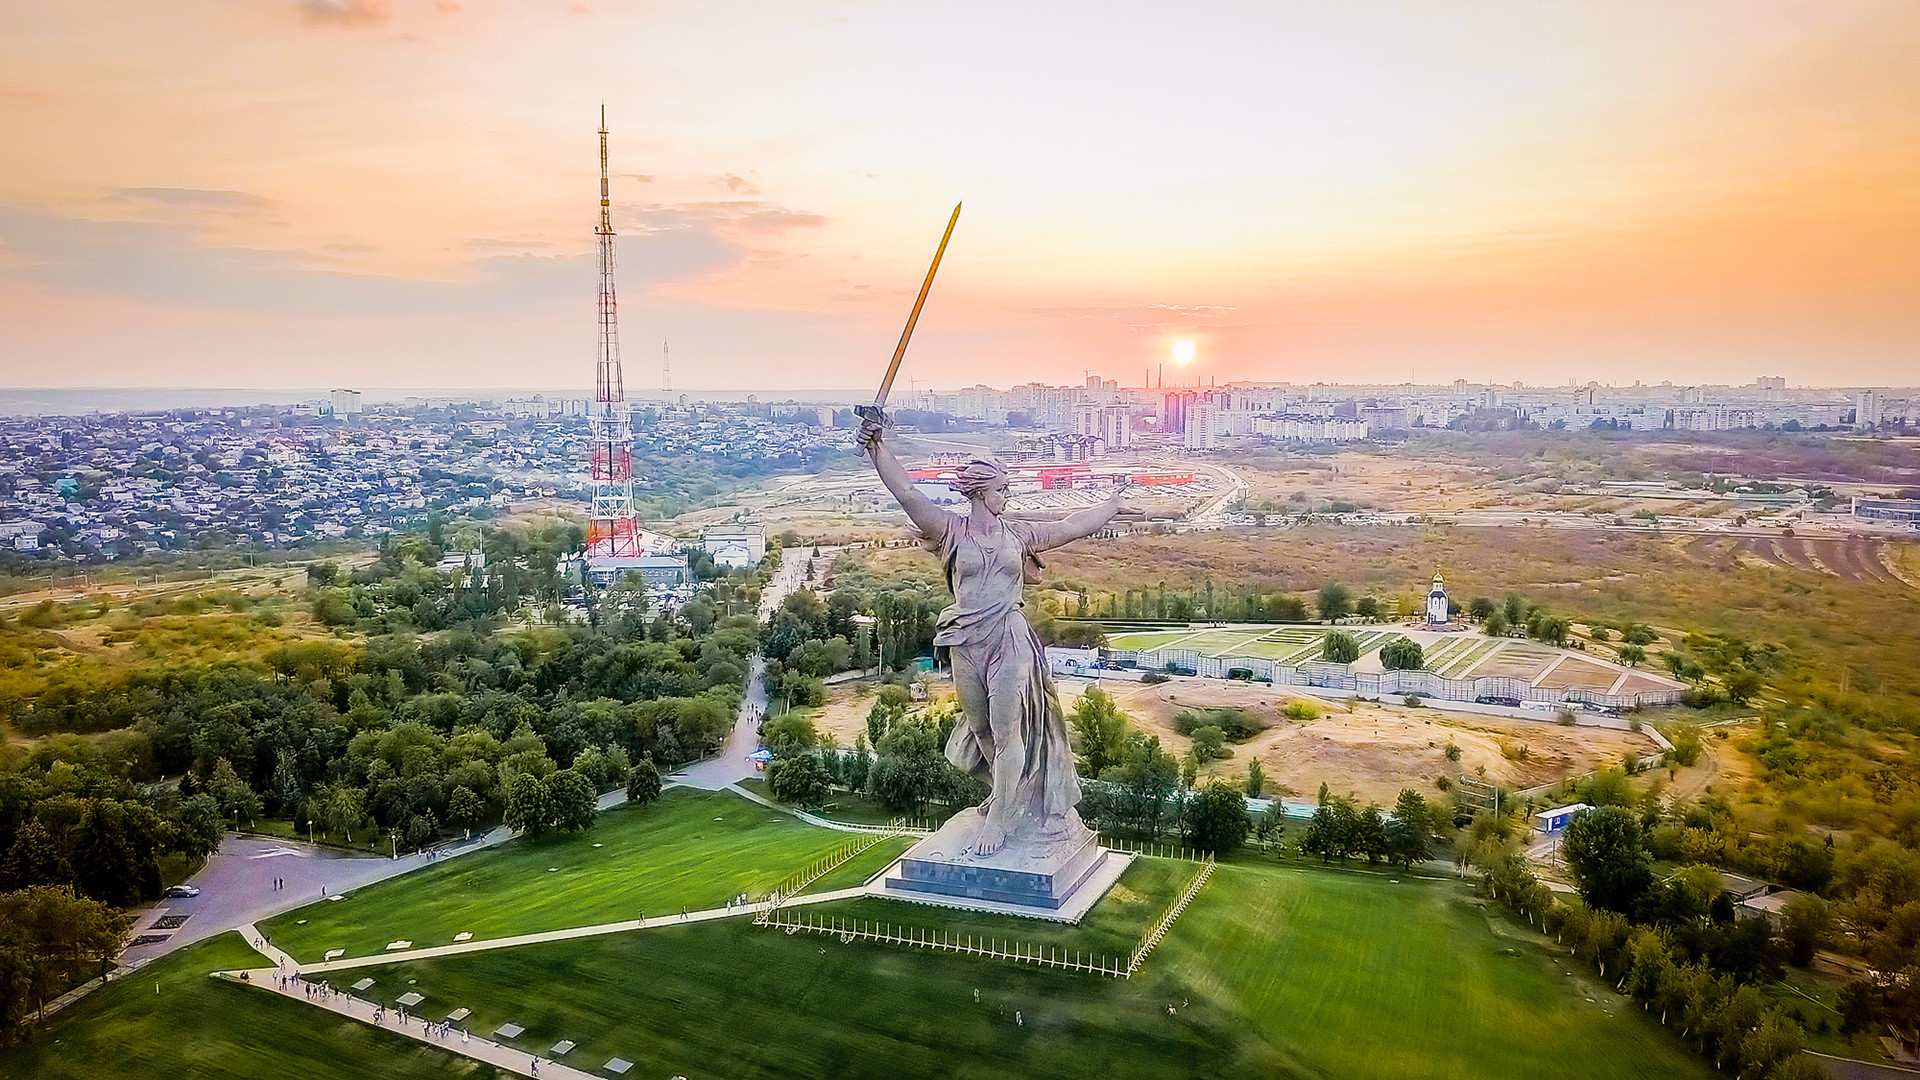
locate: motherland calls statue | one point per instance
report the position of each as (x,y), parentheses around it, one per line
(1013,736)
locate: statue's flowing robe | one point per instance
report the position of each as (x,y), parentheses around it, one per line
(999,669)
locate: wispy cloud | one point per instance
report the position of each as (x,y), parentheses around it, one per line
(167,262)
(347,14)
(194,199)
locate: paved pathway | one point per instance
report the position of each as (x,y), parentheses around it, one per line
(732,764)
(485,944)
(451,1038)
(811,819)
(236,885)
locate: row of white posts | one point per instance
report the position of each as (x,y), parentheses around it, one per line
(839,857)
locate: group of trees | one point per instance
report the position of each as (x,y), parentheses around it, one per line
(1340,829)
(397,737)
(1672,944)
(49,936)
(1516,615)
(900,761)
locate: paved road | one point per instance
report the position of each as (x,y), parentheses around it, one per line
(732,764)
(236,885)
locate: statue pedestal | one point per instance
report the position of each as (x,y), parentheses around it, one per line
(1056,878)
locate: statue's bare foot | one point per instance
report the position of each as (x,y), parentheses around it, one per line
(988,838)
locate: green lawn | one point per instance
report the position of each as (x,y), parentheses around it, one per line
(691,849)
(1273,972)
(1216,642)
(1147,639)
(857,809)
(197,1027)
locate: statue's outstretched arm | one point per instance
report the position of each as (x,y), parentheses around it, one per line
(1052,534)
(926,517)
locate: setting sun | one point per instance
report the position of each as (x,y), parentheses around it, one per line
(1183,352)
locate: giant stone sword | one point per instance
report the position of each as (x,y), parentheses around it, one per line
(876,411)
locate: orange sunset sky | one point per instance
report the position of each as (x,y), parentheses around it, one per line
(401,193)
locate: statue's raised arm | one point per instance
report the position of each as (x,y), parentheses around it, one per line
(925,516)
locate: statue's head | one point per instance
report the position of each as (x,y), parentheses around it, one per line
(984,480)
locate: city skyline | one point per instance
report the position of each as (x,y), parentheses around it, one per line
(401,194)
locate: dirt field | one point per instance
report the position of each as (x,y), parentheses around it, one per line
(1371,751)
(1367,480)
(844,716)
(1855,559)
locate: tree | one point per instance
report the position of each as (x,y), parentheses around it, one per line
(465,807)
(1496,624)
(1402,654)
(35,859)
(573,802)
(1100,730)
(529,805)
(1370,835)
(799,780)
(789,734)
(1515,609)
(1407,830)
(1632,655)
(1209,744)
(1368,608)
(1603,849)
(1339,647)
(1256,778)
(1217,819)
(42,928)
(1335,602)
(1807,925)
(1480,609)
(643,783)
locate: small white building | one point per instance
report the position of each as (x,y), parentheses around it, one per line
(739,546)
(1438,613)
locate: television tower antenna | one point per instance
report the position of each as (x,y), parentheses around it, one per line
(666,368)
(613,529)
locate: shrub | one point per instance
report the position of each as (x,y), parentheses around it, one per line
(1209,745)
(1402,654)
(1566,717)
(1234,724)
(1155,677)
(1339,647)
(1301,709)
(643,783)
(1412,701)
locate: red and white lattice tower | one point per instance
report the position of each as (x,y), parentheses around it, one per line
(612,528)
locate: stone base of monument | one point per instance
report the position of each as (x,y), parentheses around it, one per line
(1058,879)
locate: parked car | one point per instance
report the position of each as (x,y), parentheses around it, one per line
(1496,699)
(185,891)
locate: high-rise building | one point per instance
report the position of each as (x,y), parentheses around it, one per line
(345,402)
(1115,427)
(1867,408)
(1173,411)
(1202,430)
